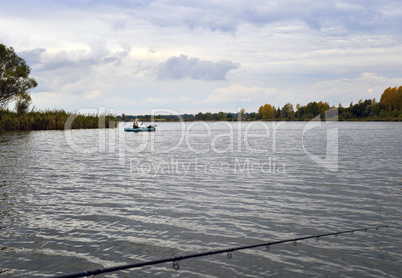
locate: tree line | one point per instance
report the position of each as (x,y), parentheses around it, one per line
(221,116)
(388,109)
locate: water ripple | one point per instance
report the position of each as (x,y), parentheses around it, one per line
(137,199)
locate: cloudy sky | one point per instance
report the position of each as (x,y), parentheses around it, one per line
(199,56)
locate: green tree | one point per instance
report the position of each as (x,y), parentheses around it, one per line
(23,102)
(278,113)
(301,111)
(200,116)
(308,116)
(14,76)
(312,108)
(375,109)
(208,116)
(260,110)
(287,111)
(221,116)
(251,117)
(298,107)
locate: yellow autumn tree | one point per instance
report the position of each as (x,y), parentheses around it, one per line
(391,99)
(322,107)
(399,99)
(268,111)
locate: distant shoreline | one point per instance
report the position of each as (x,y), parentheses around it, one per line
(94,126)
(273,120)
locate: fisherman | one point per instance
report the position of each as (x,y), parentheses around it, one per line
(135,125)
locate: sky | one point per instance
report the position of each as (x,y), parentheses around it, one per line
(133,56)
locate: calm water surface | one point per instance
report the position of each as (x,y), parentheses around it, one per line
(86,199)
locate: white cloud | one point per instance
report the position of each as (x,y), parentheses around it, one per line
(159,101)
(184,67)
(345,90)
(133,51)
(94,94)
(239,94)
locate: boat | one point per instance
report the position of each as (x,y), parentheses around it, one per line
(140,129)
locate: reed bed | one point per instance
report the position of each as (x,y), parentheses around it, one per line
(53,120)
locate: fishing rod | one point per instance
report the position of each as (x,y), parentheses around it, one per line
(228,252)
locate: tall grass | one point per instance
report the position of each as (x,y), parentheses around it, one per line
(52,120)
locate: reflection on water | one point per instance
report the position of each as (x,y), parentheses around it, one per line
(85,199)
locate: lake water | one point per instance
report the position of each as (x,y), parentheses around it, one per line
(84,199)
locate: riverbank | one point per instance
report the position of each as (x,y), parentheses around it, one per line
(53,120)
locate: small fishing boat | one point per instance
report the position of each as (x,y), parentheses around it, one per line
(140,129)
